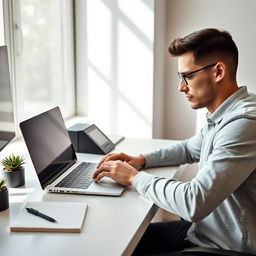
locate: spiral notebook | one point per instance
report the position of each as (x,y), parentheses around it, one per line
(69,217)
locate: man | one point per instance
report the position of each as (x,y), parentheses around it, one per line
(220,201)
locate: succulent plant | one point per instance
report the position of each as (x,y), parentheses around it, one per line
(2,185)
(12,162)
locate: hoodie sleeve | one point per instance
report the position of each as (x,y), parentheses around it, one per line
(230,163)
(187,151)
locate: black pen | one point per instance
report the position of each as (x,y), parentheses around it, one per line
(39,214)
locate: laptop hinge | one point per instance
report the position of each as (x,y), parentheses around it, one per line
(57,175)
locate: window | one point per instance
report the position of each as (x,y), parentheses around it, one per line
(41,41)
(114,60)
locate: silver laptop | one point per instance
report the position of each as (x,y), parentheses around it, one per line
(55,161)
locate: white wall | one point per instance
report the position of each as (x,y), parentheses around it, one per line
(183,17)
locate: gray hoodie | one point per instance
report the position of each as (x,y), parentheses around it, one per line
(221,199)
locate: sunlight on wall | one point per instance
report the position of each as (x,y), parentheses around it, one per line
(99,37)
(134,84)
(120,66)
(141,14)
(99,100)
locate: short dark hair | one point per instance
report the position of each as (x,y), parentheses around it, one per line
(207,43)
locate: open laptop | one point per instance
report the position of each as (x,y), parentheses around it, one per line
(55,161)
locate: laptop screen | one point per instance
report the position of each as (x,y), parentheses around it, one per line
(7,129)
(49,144)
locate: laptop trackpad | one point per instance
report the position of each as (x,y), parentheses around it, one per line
(106,185)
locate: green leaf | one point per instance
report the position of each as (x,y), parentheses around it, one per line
(12,162)
(2,184)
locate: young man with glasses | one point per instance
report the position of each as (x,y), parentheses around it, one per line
(218,205)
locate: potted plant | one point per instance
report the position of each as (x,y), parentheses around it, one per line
(13,171)
(4,197)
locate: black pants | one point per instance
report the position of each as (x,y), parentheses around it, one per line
(164,238)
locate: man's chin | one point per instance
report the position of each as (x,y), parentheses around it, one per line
(196,106)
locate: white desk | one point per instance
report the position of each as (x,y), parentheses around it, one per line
(113,225)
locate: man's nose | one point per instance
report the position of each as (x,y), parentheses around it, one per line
(182,86)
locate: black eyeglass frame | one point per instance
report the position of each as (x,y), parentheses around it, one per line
(183,76)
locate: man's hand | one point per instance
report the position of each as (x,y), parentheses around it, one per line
(135,161)
(120,171)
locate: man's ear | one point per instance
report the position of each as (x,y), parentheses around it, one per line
(220,71)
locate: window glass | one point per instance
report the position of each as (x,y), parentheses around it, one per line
(42,56)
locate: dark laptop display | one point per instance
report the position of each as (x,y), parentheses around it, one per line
(50,148)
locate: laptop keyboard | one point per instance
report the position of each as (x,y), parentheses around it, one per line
(80,177)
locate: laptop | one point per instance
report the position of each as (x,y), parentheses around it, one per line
(55,161)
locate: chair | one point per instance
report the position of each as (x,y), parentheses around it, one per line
(213,252)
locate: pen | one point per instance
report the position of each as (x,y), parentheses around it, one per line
(39,214)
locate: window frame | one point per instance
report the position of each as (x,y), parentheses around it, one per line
(14,41)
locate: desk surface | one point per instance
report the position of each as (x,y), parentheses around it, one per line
(113,225)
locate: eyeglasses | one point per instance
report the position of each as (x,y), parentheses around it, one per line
(183,76)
